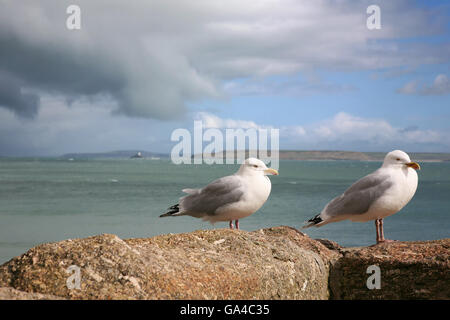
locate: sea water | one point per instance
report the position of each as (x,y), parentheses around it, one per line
(46,200)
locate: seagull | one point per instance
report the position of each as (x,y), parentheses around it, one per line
(376,196)
(229,198)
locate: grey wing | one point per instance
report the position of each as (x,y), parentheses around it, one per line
(360,196)
(218,193)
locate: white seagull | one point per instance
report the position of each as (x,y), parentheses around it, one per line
(376,196)
(229,198)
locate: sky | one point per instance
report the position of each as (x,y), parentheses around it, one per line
(137,70)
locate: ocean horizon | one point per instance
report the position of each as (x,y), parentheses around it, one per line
(53,199)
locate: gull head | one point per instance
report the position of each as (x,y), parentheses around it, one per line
(400,159)
(253,166)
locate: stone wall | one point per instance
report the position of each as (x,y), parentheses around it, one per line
(274,263)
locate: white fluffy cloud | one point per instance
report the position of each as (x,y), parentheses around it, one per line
(440,86)
(212,121)
(153,58)
(83,126)
(343,131)
(137,62)
(89,127)
(346,128)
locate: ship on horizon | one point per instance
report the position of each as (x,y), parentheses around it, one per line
(138,155)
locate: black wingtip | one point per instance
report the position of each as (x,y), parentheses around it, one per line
(317,219)
(172,210)
(313,221)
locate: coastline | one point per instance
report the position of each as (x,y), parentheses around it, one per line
(273,263)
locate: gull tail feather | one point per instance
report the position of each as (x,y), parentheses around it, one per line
(172,211)
(191,191)
(314,222)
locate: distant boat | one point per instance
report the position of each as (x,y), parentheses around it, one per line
(155,158)
(137,156)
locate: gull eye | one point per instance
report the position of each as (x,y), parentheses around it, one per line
(255,166)
(398,159)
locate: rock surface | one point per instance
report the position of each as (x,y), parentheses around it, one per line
(408,270)
(274,263)
(13,294)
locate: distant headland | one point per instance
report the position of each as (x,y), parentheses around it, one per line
(309,155)
(121,154)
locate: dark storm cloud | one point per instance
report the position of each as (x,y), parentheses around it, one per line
(11,97)
(151,59)
(107,57)
(74,71)
(50,69)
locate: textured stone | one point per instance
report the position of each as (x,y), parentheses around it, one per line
(275,263)
(13,294)
(408,270)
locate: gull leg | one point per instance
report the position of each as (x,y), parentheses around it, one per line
(382,233)
(236,223)
(231,224)
(377,227)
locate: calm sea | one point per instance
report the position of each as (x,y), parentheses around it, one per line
(45,200)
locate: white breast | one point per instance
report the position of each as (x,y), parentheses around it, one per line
(259,187)
(403,189)
(257,192)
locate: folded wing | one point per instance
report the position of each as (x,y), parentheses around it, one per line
(207,201)
(359,197)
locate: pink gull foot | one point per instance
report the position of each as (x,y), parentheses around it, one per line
(386,241)
(382,239)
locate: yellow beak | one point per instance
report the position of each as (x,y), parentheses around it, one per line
(271,171)
(413,165)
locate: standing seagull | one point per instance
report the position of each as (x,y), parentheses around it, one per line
(228,198)
(376,196)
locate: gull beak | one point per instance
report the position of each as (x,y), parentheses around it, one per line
(413,165)
(271,171)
